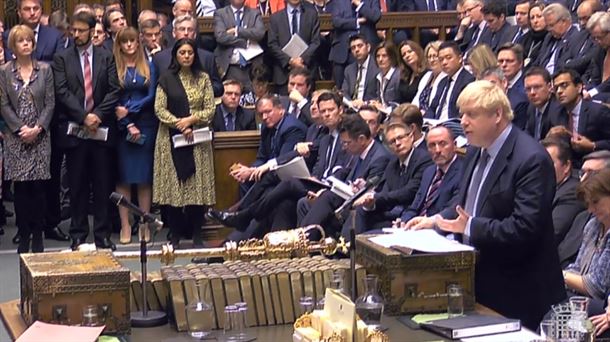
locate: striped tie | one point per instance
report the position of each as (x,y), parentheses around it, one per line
(199,6)
(432,192)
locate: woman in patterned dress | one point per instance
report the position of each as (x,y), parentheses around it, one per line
(137,125)
(27,100)
(183,178)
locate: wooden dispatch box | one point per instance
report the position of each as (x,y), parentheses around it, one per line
(56,286)
(416,283)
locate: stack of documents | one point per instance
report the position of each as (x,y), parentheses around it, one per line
(426,240)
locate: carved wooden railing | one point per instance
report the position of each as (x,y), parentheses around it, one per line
(389,21)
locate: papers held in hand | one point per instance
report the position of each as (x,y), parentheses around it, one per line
(426,240)
(251,51)
(199,135)
(82,132)
(472,325)
(296,167)
(295,46)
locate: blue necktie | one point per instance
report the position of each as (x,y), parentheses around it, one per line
(441,104)
(238,21)
(230,123)
(295,23)
(475,184)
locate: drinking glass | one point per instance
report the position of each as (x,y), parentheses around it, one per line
(199,319)
(547,330)
(455,300)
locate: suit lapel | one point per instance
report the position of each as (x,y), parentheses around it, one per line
(76,60)
(583,116)
(468,173)
(499,163)
(96,67)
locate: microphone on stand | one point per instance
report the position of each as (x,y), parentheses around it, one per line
(370,184)
(119,199)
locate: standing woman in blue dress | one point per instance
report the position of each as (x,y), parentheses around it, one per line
(137,124)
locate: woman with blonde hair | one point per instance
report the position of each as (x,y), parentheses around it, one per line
(481,58)
(430,80)
(27,101)
(137,124)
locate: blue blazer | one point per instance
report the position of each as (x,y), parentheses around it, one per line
(447,193)
(373,165)
(50,42)
(289,132)
(344,19)
(518,102)
(244,120)
(463,79)
(391,92)
(553,106)
(513,230)
(163,59)
(592,123)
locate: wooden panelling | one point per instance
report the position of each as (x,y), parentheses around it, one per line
(231,148)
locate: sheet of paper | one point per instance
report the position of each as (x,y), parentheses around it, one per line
(523,335)
(295,46)
(40,331)
(199,135)
(251,51)
(426,240)
(294,168)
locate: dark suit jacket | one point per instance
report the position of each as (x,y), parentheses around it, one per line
(374,164)
(468,40)
(344,23)
(304,116)
(339,157)
(513,231)
(504,35)
(313,135)
(163,59)
(553,106)
(289,132)
(49,43)
(462,80)
(592,123)
(401,189)
(370,84)
(244,120)
(518,102)
(279,35)
(70,93)
(253,29)
(565,208)
(447,192)
(569,246)
(567,49)
(422,5)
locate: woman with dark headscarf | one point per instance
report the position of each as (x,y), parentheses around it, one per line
(183,178)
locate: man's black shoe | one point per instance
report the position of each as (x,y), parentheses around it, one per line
(106,244)
(229,219)
(16,239)
(76,243)
(56,234)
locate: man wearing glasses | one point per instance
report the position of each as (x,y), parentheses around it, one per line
(475,21)
(585,122)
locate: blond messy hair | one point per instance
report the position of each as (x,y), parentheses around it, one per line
(486,95)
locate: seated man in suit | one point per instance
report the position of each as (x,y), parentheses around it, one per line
(300,18)
(542,102)
(510,60)
(558,46)
(597,75)
(522,10)
(329,160)
(186,27)
(373,118)
(500,31)
(440,181)
(297,102)
(585,121)
(359,82)
(504,206)
(279,135)
(565,204)
(369,158)
(443,106)
(477,28)
(496,76)
(401,179)
(179,9)
(230,116)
